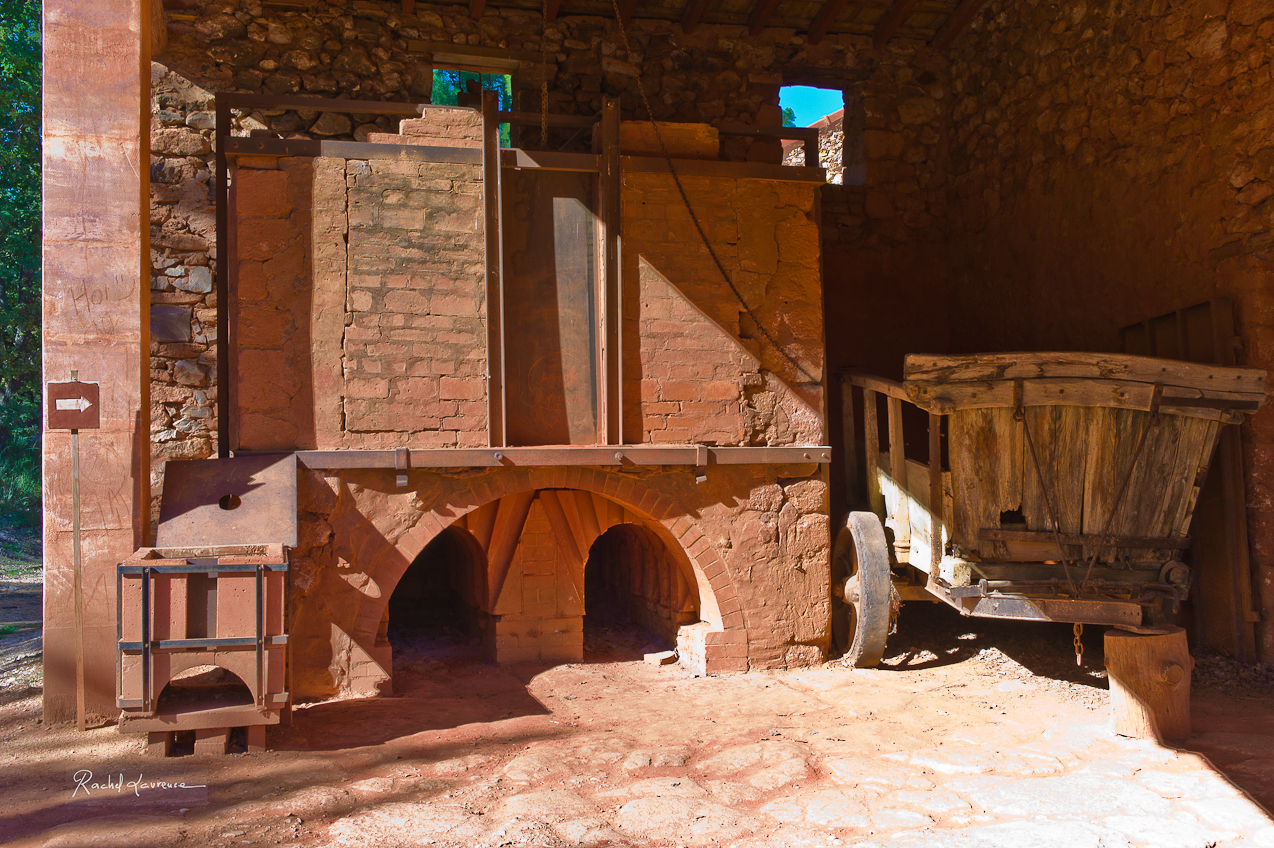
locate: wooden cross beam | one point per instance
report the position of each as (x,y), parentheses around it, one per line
(893,19)
(409,7)
(761,14)
(955,24)
(476,8)
(694,11)
(823,21)
(626,9)
(550,10)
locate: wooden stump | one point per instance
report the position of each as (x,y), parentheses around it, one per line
(1149,683)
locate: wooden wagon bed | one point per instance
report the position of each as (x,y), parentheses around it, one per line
(1070,480)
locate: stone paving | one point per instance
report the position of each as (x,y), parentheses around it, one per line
(1077,785)
(968,751)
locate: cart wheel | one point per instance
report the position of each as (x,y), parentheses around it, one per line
(862,553)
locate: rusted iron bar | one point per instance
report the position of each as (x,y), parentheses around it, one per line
(221,199)
(590,455)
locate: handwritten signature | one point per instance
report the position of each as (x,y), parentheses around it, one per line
(84,781)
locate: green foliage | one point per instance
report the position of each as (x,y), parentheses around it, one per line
(789,117)
(450,85)
(19,260)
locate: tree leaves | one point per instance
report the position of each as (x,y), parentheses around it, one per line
(20,390)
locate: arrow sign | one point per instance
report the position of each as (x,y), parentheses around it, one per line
(74,406)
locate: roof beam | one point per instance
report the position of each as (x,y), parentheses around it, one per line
(476,8)
(955,24)
(761,14)
(824,20)
(894,18)
(550,10)
(694,11)
(626,9)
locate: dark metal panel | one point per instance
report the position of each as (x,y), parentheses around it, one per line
(244,500)
(1031,609)
(550,326)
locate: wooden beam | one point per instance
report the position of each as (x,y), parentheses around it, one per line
(955,24)
(550,10)
(509,520)
(761,14)
(476,8)
(690,17)
(898,12)
(409,7)
(567,543)
(626,9)
(494,255)
(610,359)
(824,20)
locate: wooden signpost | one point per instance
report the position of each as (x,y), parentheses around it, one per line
(76,406)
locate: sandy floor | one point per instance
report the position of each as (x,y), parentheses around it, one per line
(974,733)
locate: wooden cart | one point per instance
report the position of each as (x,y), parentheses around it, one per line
(1051,487)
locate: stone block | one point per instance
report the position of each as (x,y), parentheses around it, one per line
(211,740)
(170,323)
(681,141)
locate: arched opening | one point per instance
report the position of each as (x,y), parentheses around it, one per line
(433,608)
(203,687)
(635,589)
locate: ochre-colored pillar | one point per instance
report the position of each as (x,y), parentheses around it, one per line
(96,308)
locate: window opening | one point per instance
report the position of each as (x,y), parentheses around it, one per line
(452,87)
(840,125)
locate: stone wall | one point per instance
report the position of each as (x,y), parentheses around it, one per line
(183,317)
(1112,162)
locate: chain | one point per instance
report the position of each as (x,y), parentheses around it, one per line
(544,104)
(1079,643)
(641,89)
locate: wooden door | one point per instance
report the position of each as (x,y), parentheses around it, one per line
(1221,597)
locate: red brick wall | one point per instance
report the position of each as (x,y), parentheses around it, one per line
(697,368)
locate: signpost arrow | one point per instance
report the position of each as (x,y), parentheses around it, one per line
(68,404)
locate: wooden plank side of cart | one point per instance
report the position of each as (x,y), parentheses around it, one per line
(1050,440)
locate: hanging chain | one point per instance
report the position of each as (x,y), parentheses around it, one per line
(544,104)
(694,219)
(1079,643)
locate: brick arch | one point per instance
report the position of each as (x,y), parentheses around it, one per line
(719,606)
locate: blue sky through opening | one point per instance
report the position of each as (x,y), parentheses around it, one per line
(810,103)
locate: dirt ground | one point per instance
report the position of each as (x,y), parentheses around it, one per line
(973,733)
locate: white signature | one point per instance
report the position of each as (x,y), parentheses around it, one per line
(115,782)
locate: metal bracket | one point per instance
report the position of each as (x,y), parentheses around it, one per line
(402,461)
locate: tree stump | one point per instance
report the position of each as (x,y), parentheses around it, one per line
(1149,683)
